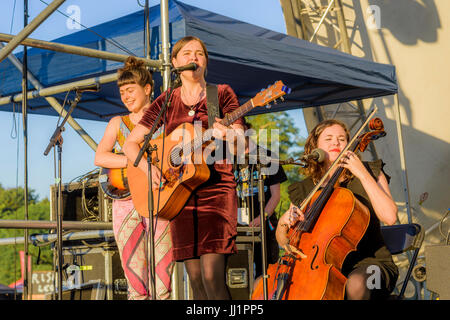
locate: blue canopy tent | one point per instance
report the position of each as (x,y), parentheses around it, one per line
(245,56)
(242,55)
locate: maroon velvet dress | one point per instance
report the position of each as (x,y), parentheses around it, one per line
(208,221)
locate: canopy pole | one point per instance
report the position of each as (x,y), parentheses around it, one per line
(49,91)
(81,51)
(398,122)
(26,283)
(55,104)
(147,30)
(29,28)
(40,239)
(42,224)
(165,44)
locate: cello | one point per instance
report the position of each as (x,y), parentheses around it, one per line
(335,222)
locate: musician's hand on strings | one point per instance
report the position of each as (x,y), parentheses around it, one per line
(157,180)
(294,251)
(352,162)
(220,130)
(288,220)
(234,133)
(292,216)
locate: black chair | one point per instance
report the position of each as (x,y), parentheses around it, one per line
(401,238)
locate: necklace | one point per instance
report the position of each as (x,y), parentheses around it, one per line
(194,100)
(192,111)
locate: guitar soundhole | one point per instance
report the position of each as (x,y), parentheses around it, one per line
(176,157)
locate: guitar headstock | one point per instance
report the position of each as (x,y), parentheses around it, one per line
(273,92)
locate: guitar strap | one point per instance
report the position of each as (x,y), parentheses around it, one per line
(212,104)
(130,126)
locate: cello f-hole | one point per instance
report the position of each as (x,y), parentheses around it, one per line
(314,258)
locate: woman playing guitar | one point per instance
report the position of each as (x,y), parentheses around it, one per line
(204,232)
(135,86)
(370,186)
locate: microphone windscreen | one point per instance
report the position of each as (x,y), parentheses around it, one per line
(320,154)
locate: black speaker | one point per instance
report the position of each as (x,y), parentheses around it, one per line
(93,273)
(81,201)
(239,272)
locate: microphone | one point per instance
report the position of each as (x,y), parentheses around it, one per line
(267,159)
(89,87)
(191,66)
(317,154)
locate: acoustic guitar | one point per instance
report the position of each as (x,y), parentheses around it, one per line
(179,157)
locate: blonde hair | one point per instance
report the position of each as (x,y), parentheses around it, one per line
(316,170)
(134,72)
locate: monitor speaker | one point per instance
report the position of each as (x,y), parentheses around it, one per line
(93,273)
(81,201)
(239,272)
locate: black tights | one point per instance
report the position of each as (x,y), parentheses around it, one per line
(207,277)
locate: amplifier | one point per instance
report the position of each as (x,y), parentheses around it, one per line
(240,273)
(93,273)
(81,201)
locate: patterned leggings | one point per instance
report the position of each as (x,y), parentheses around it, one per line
(130,233)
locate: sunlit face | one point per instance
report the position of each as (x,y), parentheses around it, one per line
(332,140)
(134,96)
(191,52)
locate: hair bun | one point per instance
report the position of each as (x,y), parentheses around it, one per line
(133,63)
(134,71)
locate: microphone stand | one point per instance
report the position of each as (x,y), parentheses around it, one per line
(262,217)
(263,227)
(146,148)
(57,140)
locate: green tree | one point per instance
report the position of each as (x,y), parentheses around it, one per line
(13,198)
(12,208)
(290,145)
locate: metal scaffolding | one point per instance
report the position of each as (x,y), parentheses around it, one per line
(303,19)
(162,65)
(300,15)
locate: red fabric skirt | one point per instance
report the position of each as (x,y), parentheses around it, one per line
(208,222)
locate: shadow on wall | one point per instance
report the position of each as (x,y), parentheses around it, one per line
(408,20)
(423,151)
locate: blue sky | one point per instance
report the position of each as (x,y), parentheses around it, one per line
(77,156)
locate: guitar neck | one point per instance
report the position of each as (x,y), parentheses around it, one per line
(226,121)
(238,113)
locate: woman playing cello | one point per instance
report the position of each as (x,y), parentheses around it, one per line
(370,186)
